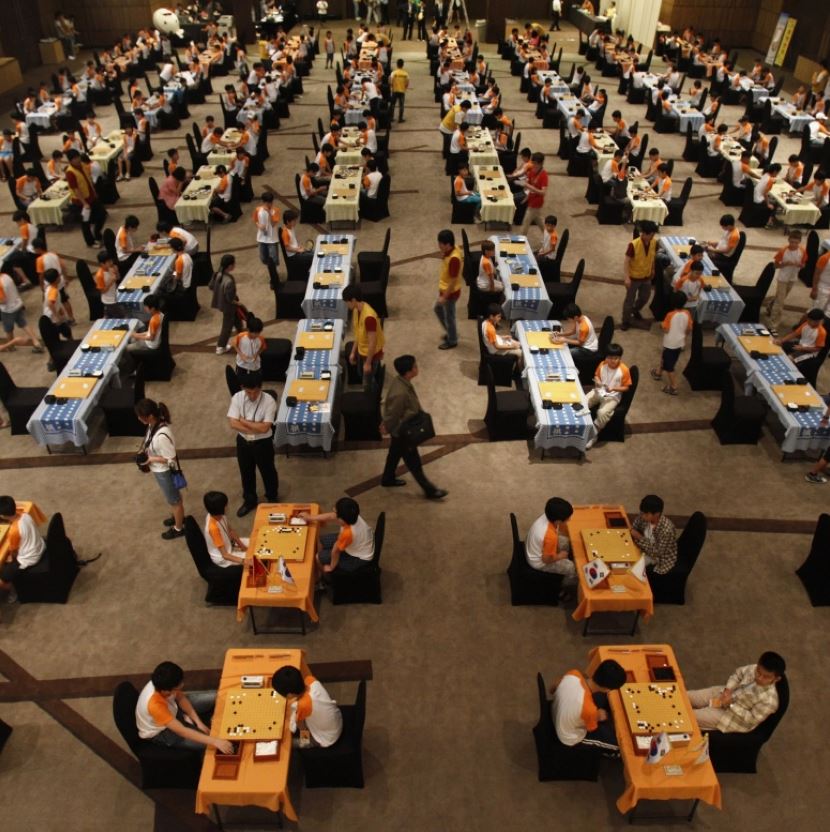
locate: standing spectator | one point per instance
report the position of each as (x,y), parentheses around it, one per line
(367,350)
(399,406)
(252,414)
(225,300)
(158,456)
(638,269)
(322,10)
(555,14)
(449,287)
(267,220)
(328,48)
(83,196)
(12,314)
(535,188)
(65,32)
(399,82)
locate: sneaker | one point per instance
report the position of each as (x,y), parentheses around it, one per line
(636,315)
(244,509)
(446,345)
(127,177)
(590,444)
(222,350)
(169,521)
(819,479)
(437,494)
(37,349)
(671,391)
(656,375)
(172,533)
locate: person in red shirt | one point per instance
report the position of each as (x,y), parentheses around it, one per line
(535,188)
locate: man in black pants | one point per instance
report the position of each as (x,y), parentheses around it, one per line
(252,415)
(400,405)
(85,199)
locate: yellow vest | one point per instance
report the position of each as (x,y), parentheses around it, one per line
(446,283)
(642,263)
(359,327)
(449,119)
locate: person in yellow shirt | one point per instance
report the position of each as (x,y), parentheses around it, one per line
(399,83)
(449,287)
(367,350)
(638,269)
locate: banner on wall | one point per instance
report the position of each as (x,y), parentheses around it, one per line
(777,37)
(785,42)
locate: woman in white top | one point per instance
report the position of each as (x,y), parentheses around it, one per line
(158,455)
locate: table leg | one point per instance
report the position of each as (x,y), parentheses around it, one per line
(588,631)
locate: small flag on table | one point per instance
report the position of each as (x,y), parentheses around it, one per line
(660,746)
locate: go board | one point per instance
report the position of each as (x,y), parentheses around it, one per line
(654,707)
(253,714)
(106,337)
(328,278)
(527,281)
(74,388)
(800,394)
(759,343)
(559,391)
(162,250)
(274,542)
(715,281)
(513,248)
(334,248)
(541,340)
(135,281)
(309,390)
(316,340)
(612,545)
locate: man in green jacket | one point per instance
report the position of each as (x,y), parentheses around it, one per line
(401,404)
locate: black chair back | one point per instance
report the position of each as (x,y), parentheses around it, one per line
(814,573)
(196,545)
(124,701)
(93,296)
(691,541)
(7,385)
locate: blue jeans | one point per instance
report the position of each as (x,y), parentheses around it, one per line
(445,312)
(604,737)
(203,702)
(472,199)
(268,252)
(346,562)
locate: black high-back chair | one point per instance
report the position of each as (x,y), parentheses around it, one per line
(164,213)
(507,410)
(740,419)
(727,265)
(158,363)
(339,765)
(814,573)
(561,294)
(707,365)
(753,296)
(91,293)
(501,367)
(555,760)
(222,582)
(161,767)
(671,587)
(118,404)
(20,402)
(50,580)
(678,204)
(738,753)
(529,586)
(363,585)
(59,351)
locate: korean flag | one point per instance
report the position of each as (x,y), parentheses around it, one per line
(287,577)
(596,571)
(660,746)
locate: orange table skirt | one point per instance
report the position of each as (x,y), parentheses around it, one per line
(23,507)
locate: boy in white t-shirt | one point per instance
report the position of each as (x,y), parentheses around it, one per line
(225,547)
(495,343)
(547,548)
(676,326)
(26,546)
(313,714)
(788,261)
(611,379)
(353,547)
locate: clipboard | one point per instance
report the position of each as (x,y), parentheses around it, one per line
(316,340)
(309,390)
(74,388)
(759,343)
(800,394)
(105,337)
(560,391)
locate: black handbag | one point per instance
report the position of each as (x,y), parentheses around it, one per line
(417,430)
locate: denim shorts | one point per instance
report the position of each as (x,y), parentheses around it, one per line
(12,319)
(165,481)
(268,252)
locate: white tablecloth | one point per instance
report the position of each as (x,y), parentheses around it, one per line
(107,149)
(502,209)
(194,203)
(480,145)
(58,424)
(803,212)
(340,207)
(321,303)
(653,209)
(686,114)
(801,431)
(42,116)
(50,211)
(349,147)
(565,428)
(225,155)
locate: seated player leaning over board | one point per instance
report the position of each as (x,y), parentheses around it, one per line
(313,714)
(161,703)
(748,698)
(225,547)
(580,707)
(656,535)
(26,546)
(353,547)
(546,547)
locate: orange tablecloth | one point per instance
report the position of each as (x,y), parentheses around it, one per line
(649,781)
(23,507)
(602,599)
(263,783)
(304,572)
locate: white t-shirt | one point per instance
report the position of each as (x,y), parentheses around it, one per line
(162,444)
(325,722)
(32,544)
(791,261)
(535,540)
(680,323)
(191,244)
(11,302)
(266,230)
(264,409)
(362,544)
(147,726)
(375,177)
(567,710)
(214,551)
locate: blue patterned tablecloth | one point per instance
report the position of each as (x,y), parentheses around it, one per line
(802,430)
(719,305)
(319,358)
(565,428)
(525,303)
(299,425)
(156,267)
(329,302)
(57,424)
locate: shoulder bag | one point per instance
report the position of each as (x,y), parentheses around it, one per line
(417,429)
